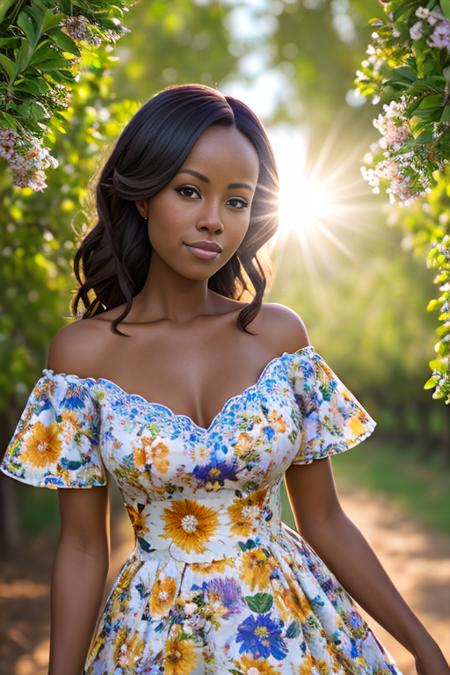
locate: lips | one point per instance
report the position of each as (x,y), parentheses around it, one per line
(206,245)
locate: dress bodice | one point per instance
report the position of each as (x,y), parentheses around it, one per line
(191,492)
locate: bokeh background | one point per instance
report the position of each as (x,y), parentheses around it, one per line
(340,260)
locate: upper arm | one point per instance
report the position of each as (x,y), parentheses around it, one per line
(312,492)
(84,519)
(84,513)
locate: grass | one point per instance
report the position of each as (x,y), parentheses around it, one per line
(402,476)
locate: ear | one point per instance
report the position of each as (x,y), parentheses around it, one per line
(142,207)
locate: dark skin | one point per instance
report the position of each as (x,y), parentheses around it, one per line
(184,333)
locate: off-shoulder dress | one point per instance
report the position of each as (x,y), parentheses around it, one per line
(217,583)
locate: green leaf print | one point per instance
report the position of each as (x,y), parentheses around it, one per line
(293,630)
(260,602)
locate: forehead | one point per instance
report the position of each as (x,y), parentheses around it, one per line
(225,149)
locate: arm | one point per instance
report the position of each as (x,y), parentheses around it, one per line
(325,526)
(82,555)
(79,575)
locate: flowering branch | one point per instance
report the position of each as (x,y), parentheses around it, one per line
(407,69)
(40,54)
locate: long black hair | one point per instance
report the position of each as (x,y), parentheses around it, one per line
(115,254)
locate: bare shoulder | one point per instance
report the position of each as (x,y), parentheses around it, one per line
(76,347)
(283,327)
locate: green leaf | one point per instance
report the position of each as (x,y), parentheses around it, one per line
(431,382)
(38,16)
(400,11)
(411,107)
(431,101)
(24,55)
(260,602)
(42,53)
(9,42)
(425,137)
(38,111)
(64,41)
(406,73)
(8,66)
(37,86)
(446,73)
(445,117)
(8,120)
(25,22)
(4,6)
(430,114)
(51,64)
(418,87)
(50,20)
(445,6)
(64,76)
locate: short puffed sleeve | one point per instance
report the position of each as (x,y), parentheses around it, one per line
(331,417)
(56,443)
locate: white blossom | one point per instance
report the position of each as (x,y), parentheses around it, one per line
(422,12)
(441,36)
(416,31)
(26,158)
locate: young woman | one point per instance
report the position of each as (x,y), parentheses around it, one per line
(198,404)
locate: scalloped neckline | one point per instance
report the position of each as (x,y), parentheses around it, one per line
(154,404)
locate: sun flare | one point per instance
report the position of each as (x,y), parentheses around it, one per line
(305,200)
(323,203)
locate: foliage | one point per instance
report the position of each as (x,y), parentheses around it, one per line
(40,53)
(37,230)
(407,69)
(176,43)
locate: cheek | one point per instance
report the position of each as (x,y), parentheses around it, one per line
(165,208)
(166,221)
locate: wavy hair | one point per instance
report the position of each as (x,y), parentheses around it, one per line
(112,261)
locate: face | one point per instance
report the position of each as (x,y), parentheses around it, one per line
(209,200)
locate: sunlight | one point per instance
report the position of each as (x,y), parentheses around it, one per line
(324,203)
(304,200)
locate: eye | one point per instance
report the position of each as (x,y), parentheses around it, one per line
(186,187)
(242,202)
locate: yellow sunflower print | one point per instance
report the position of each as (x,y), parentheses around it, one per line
(43,446)
(244,513)
(179,656)
(247,665)
(256,568)
(162,595)
(189,524)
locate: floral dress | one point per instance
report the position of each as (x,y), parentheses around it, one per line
(216,583)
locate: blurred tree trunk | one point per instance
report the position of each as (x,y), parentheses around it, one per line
(9,512)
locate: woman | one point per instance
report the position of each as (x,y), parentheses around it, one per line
(197,410)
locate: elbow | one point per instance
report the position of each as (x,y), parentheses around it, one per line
(327,524)
(95,550)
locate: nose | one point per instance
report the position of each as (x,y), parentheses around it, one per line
(210,221)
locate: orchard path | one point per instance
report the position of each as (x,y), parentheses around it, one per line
(416,558)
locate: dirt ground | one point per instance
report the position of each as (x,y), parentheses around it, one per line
(417,560)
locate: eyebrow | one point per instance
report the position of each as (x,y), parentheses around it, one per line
(206,179)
